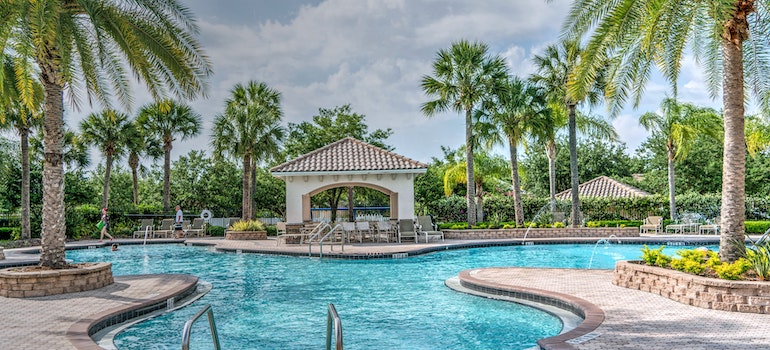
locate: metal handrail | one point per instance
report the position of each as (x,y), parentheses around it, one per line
(188,328)
(320,227)
(333,317)
(321,241)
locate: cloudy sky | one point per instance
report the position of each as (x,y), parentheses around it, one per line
(372,55)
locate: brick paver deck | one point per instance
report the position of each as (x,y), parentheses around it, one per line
(636,319)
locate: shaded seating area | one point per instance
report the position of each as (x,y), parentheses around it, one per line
(652,223)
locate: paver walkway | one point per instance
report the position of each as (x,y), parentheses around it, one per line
(58,321)
(641,320)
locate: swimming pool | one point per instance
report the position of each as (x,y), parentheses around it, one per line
(272,302)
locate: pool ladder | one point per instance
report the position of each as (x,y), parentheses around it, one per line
(334,323)
(188,328)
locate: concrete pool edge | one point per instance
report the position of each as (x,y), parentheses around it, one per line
(592,316)
(79,334)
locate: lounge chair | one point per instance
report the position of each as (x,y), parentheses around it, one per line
(425,227)
(280,227)
(384,230)
(165,229)
(363,229)
(406,230)
(713,226)
(652,223)
(144,228)
(197,229)
(350,231)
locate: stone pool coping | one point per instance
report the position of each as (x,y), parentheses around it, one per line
(592,316)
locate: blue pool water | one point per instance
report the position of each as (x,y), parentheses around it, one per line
(276,302)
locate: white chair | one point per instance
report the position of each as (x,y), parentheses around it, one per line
(384,230)
(713,226)
(652,223)
(363,229)
(349,230)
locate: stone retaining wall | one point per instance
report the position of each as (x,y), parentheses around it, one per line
(246,235)
(2,255)
(707,293)
(542,233)
(17,284)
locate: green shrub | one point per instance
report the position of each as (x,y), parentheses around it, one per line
(251,225)
(614,223)
(655,257)
(732,271)
(558,224)
(758,257)
(7,232)
(271,230)
(215,231)
(757,227)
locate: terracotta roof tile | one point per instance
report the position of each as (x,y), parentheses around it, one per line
(604,186)
(348,154)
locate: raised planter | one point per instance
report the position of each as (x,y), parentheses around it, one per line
(16,283)
(542,233)
(246,235)
(704,292)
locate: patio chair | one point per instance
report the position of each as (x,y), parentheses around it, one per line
(165,229)
(425,227)
(407,230)
(144,227)
(652,223)
(384,230)
(349,231)
(197,229)
(713,226)
(280,227)
(363,229)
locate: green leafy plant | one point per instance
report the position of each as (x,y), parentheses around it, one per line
(655,257)
(558,224)
(215,231)
(732,271)
(251,225)
(758,257)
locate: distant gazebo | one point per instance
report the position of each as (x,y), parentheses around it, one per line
(349,163)
(603,186)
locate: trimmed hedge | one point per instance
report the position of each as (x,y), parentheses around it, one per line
(757,227)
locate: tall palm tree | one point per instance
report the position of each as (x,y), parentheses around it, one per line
(519,109)
(679,125)
(163,121)
(463,77)
(138,146)
(554,70)
(487,169)
(638,36)
(16,115)
(110,132)
(90,47)
(249,129)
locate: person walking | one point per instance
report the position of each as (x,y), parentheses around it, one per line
(106,221)
(178,219)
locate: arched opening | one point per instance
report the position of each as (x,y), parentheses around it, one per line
(339,202)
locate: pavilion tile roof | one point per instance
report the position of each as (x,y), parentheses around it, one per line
(604,186)
(348,154)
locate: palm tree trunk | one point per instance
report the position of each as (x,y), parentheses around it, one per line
(550,148)
(53,227)
(734,166)
(671,184)
(166,175)
(245,200)
(470,185)
(133,162)
(573,167)
(107,173)
(26,229)
(517,205)
(253,188)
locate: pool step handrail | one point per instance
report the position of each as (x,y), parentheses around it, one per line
(317,231)
(188,328)
(321,241)
(334,323)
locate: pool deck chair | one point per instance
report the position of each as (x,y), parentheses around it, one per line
(426,228)
(407,230)
(365,230)
(165,229)
(384,231)
(652,223)
(197,229)
(145,226)
(714,226)
(350,231)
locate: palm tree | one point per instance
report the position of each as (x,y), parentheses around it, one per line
(554,69)
(487,169)
(110,132)
(163,121)
(138,146)
(87,47)
(679,125)
(520,110)
(249,129)
(18,116)
(638,36)
(464,76)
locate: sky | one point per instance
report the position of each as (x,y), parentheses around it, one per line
(372,55)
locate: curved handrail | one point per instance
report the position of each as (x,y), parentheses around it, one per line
(321,241)
(333,317)
(188,328)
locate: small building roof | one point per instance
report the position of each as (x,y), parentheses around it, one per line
(604,186)
(349,155)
